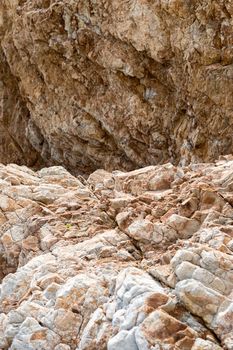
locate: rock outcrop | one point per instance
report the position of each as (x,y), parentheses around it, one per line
(139,260)
(116,84)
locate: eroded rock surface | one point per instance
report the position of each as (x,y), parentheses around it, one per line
(118,84)
(136,261)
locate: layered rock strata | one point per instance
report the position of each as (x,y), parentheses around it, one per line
(117,84)
(139,260)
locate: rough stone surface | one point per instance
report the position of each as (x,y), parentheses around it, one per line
(123,260)
(115,83)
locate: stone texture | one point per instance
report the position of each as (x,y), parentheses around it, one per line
(118,261)
(115,84)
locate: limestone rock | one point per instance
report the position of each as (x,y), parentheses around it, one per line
(117,261)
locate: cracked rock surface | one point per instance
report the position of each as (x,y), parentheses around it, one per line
(115,84)
(139,260)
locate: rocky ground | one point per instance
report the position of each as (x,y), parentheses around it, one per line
(115,84)
(128,259)
(135,260)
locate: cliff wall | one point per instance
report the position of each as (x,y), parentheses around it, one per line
(117,84)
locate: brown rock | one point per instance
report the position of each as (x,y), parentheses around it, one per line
(115,84)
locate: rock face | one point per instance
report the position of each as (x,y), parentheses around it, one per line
(139,260)
(116,84)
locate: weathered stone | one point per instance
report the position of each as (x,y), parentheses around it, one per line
(89,265)
(115,84)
